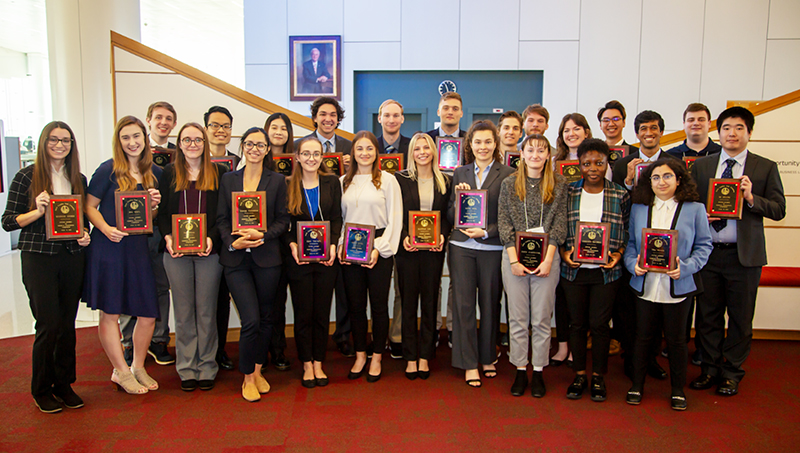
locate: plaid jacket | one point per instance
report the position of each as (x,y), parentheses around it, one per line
(616,211)
(33,237)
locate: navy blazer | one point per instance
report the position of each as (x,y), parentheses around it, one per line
(170,201)
(694,247)
(409,190)
(267,254)
(494,180)
(768,201)
(620,170)
(402,143)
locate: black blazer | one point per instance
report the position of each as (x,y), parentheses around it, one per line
(268,254)
(343,145)
(402,143)
(409,190)
(620,170)
(494,179)
(170,200)
(768,201)
(330,209)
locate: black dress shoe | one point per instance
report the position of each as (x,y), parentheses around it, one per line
(65,394)
(280,361)
(556,363)
(309,383)
(633,397)
(351,375)
(520,383)
(396,350)
(504,339)
(678,402)
(189,385)
(703,382)
(655,371)
(321,382)
(598,390)
(346,348)
(697,357)
(159,352)
(224,361)
(575,390)
(728,387)
(205,384)
(411,375)
(373,378)
(47,403)
(127,352)
(537,385)
(424,374)
(450,339)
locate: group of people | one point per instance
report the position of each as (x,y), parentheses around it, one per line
(717,265)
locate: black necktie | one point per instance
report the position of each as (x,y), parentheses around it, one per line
(718,225)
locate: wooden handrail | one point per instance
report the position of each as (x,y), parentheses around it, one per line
(756,107)
(156,57)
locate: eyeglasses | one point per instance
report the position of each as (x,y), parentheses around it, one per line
(614,119)
(188,141)
(667,178)
(67,142)
(260,146)
(215,126)
(306,155)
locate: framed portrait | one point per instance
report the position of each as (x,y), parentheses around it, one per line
(315,67)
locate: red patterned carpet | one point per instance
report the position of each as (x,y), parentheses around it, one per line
(395,414)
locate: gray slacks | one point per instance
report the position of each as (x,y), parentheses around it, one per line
(530,302)
(195,288)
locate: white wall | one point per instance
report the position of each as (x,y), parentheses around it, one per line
(649,54)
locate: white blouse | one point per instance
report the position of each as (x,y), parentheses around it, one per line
(363,203)
(656,284)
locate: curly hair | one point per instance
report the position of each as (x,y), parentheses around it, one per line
(686,191)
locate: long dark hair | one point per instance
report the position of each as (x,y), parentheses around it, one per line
(477,126)
(268,162)
(288,148)
(41,170)
(562,150)
(686,190)
(376,165)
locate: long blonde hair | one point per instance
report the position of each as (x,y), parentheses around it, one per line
(207,177)
(121,165)
(548,180)
(412,166)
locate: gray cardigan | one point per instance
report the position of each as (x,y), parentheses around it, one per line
(511,213)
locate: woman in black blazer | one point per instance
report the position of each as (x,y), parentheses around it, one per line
(423,188)
(52,271)
(313,194)
(251,259)
(475,256)
(190,185)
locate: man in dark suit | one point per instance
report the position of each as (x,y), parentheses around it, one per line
(315,73)
(732,274)
(696,122)
(327,114)
(612,121)
(390,117)
(649,129)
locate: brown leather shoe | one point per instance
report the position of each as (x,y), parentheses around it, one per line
(250,392)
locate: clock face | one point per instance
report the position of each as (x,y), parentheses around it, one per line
(447,86)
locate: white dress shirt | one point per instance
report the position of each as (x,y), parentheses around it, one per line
(656,284)
(728,234)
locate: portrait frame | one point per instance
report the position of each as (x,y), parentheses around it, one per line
(330,54)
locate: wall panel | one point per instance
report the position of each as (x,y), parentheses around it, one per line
(488,37)
(430,34)
(372,20)
(545,20)
(266,44)
(782,67)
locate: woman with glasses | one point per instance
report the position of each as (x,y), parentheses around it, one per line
(313,195)
(251,259)
(370,196)
(51,271)
(666,198)
(119,274)
(423,188)
(591,289)
(190,185)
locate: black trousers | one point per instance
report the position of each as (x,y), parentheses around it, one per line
(277,341)
(360,282)
(343,327)
(650,318)
(223,313)
(419,274)
(728,286)
(562,314)
(54,284)
(591,303)
(253,289)
(312,291)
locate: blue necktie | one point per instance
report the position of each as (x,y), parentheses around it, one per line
(718,225)
(391,149)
